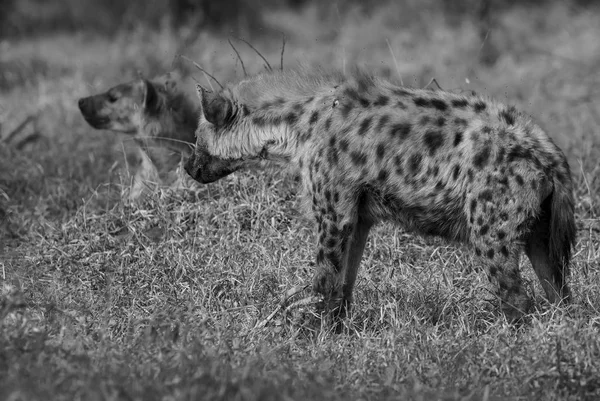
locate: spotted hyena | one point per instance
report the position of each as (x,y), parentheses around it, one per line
(161,114)
(461,167)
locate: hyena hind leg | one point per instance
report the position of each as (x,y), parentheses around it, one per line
(551,274)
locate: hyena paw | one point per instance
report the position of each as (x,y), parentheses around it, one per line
(517,307)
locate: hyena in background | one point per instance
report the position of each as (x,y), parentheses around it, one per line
(161,113)
(464,168)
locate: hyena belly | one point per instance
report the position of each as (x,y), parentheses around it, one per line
(465,176)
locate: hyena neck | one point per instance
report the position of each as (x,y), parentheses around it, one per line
(281,106)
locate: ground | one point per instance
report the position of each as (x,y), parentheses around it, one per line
(178,298)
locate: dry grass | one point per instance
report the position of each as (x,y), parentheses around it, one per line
(105,300)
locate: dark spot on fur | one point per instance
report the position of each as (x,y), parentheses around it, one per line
(518,152)
(358,158)
(519,179)
(440,121)
(501,235)
(314,117)
(490,253)
(480,221)
(421,102)
(503,216)
(484,229)
(331,243)
(486,195)
(291,118)
(328,124)
(455,172)
(433,140)
(245,110)
(477,251)
(504,251)
(398,163)
(424,120)
(400,130)
(534,185)
(383,175)
(461,122)
(346,109)
(380,152)
(364,126)
(458,138)
(344,145)
(460,103)
(260,121)
(509,115)
(414,162)
(351,93)
(479,106)
(439,104)
(500,156)
(473,205)
(298,108)
(381,101)
(332,141)
(382,122)
(481,157)
(364,102)
(400,105)
(493,271)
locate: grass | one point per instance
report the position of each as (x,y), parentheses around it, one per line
(101,299)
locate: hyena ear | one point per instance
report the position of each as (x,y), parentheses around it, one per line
(152,100)
(217,109)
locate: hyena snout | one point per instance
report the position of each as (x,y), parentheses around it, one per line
(89,111)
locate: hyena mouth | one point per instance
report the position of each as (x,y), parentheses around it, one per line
(97,122)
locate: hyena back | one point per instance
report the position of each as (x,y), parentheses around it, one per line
(161,115)
(464,168)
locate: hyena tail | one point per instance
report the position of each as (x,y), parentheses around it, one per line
(551,240)
(562,233)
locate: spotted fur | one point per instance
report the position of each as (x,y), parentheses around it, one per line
(461,167)
(160,114)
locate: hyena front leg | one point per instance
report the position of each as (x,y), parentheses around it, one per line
(341,239)
(502,261)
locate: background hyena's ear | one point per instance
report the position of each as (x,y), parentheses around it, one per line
(152,100)
(216,109)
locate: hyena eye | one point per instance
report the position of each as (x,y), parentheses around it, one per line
(335,103)
(113,97)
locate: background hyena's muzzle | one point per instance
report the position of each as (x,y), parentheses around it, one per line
(89,110)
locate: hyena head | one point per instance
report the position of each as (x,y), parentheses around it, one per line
(258,118)
(234,132)
(120,108)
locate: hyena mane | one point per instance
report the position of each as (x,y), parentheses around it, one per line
(462,167)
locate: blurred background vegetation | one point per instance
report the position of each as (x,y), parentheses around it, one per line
(35,17)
